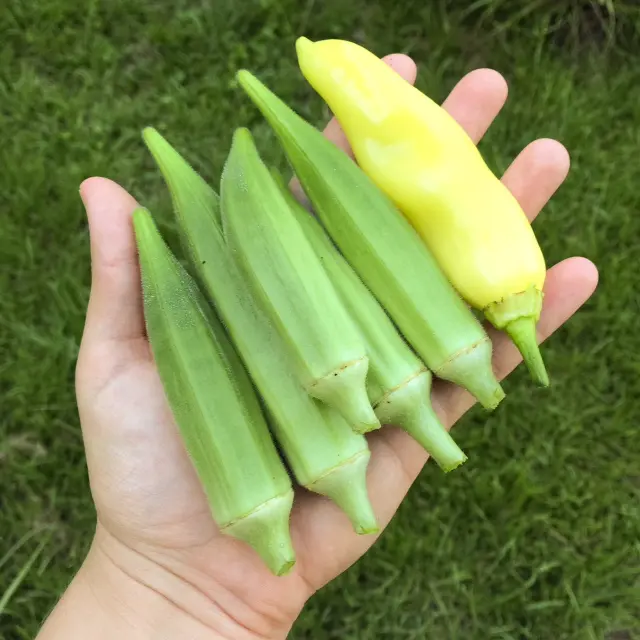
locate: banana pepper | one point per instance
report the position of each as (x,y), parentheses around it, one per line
(426,163)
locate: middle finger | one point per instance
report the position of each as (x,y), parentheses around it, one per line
(476,101)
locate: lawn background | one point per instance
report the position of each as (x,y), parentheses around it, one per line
(538,535)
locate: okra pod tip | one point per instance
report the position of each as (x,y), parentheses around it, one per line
(345,389)
(469,368)
(346,485)
(409,407)
(267,530)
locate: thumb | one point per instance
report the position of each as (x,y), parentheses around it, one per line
(114,331)
(115,313)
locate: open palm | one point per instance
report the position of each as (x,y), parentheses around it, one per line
(153,520)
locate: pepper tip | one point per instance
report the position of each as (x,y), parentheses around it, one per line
(303,44)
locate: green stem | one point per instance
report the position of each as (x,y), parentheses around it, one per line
(346,485)
(266,529)
(409,407)
(471,369)
(345,390)
(518,315)
(523,333)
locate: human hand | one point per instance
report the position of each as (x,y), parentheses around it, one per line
(155,532)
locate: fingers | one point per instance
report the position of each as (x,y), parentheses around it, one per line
(476,100)
(536,174)
(569,284)
(115,306)
(396,459)
(400,63)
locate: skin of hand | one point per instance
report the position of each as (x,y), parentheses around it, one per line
(158,567)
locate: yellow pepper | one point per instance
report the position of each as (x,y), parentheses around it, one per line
(427,164)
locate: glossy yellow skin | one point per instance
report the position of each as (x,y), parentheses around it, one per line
(427,164)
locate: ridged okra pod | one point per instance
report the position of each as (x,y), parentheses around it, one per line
(214,405)
(324,453)
(385,251)
(398,382)
(325,348)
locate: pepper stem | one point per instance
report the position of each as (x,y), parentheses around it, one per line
(523,333)
(518,315)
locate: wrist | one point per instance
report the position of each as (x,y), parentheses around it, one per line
(119,593)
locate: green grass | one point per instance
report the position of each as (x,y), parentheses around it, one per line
(537,536)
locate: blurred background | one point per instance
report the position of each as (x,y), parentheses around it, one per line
(538,535)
